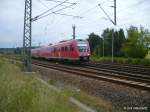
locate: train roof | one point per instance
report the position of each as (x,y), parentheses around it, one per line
(61,43)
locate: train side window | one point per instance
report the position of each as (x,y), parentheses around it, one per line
(66,48)
(51,49)
(57,49)
(54,49)
(62,49)
(72,49)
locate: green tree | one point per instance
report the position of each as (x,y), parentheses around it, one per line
(119,39)
(107,39)
(94,41)
(137,43)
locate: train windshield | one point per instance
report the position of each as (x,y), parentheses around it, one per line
(83,46)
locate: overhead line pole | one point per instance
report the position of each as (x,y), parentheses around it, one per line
(27,35)
(113,34)
(115,12)
(74,31)
(115,23)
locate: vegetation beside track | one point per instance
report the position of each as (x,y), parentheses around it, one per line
(23,92)
(121,60)
(20,92)
(13,56)
(148,55)
(98,104)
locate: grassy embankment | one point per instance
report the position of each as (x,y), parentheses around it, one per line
(133,61)
(20,92)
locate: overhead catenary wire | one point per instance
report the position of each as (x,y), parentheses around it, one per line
(88,10)
(57,10)
(51,9)
(40,17)
(106,14)
(59,1)
(43,4)
(119,10)
(60,13)
(61,4)
(55,13)
(68,15)
(69,7)
(95,6)
(47,22)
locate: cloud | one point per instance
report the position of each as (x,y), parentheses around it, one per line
(55,28)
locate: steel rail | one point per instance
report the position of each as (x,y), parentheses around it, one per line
(100,75)
(144,77)
(120,67)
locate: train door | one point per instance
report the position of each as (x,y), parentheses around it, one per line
(69,51)
(72,53)
(62,52)
(66,52)
(59,52)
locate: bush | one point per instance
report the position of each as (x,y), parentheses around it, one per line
(133,61)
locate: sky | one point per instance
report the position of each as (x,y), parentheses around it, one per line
(55,28)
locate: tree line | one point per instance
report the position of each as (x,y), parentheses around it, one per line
(135,44)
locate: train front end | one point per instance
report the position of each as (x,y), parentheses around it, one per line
(84,50)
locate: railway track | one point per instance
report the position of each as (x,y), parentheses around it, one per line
(132,69)
(139,81)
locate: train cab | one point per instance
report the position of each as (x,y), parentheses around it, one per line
(83,49)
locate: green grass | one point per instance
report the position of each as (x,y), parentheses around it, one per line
(13,56)
(21,92)
(121,60)
(1,62)
(99,104)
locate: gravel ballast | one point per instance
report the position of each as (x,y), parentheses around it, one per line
(123,98)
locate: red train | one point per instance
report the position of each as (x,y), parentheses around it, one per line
(72,50)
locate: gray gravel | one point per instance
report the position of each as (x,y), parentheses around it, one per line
(123,98)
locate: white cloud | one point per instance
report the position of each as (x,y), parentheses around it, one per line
(56,27)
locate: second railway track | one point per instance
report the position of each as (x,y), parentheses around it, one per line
(134,80)
(135,69)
